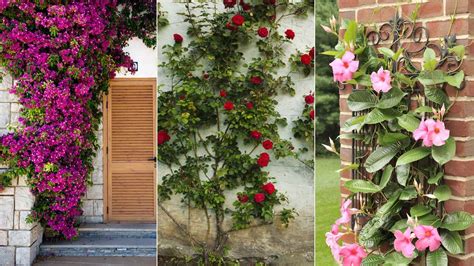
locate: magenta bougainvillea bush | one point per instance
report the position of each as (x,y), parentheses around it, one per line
(62,55)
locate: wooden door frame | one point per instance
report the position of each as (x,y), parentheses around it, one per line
(106,135)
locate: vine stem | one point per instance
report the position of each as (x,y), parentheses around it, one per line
(183,230)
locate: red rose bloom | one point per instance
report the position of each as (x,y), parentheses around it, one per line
(271,2)
(256,80)
(267,144)
(229,26)
(228,105)
(309,99)
(311,53)
(306,59)
(182,97)
(269,188)
(259,197)
(230,3)
(246,7)
(255,134)
(243,198)
(238,19)
(163,137)
(249,105)
(223,93)
(262,32)
(177,38)
(311,114)
(264,159)
(290,34)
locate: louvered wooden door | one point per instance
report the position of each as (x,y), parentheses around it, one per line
(131,142)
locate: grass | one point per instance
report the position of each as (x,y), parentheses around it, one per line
(327,205)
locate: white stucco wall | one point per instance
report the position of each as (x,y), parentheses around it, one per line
(293,179)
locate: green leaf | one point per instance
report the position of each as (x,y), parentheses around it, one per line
(437,258)
(429,78)
(413,155)
(459,50)
(380,115)
(361,100)
(373,260)
(457,221)
(387,174)
(452,242)
(381,157)
(429,219)
(403,172)
(391,137)
(424,109)
(420,210)
(408,193)
(364,186)
(396,259)
(354,123)
(435,179)
(391,98)
(442,193)
(409,122)
(456,79)
(397,54)
(429,60)
(399,225)
(351,32)
(437,95)
(386,52)
(444,154)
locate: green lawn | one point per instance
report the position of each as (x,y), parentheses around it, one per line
(327,205)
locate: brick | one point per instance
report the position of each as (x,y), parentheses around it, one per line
(459,168)
(346,154)
(452,261)
(20,238)
(461,109)
(467,91)
(460,128)
(371,15)
(457,205)
(3,238)
(24,200)
(348,3)
(95,192)
(465,148)
(8,256)
(439,29)
(350,15)
(461,188)
(433,8)
(462,7)
(6,212)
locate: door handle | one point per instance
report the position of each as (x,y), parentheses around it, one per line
(153,159)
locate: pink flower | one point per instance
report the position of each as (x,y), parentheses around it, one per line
(331,240)
(381,80)
(346,213)
(427,237)
(403,243)
(352,255)
(343,69)
(431,132)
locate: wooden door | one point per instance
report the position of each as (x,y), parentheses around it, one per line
(130,141)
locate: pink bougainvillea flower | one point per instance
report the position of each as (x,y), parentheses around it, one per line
(427,237)
(403,243)
(238,20)
(332,239)
(290,34)
(431,132)
(269,188)
(346,213)
(343,69)
(178,38)
(267,144)
(352,255)
(381,80)
(262,32)
(263,159)
(228,106)
(306,59)
(163,137)
(259,197)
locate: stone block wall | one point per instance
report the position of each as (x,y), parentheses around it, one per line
(435,15)
(19,240)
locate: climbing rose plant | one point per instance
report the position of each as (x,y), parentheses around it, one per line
(402,217)
(62,56)
(217,118)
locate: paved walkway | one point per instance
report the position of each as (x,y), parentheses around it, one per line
(95,261)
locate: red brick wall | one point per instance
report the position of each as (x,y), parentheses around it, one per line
(436,16)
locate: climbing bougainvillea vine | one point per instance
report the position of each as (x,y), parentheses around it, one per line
(61,55)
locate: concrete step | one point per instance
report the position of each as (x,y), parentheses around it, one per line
(105,240)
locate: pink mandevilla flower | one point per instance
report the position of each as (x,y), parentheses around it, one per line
(431,132)
(427,237)
(343,69)
(352,255)
(403,243)
(346,213)
(331,240)
(381,80)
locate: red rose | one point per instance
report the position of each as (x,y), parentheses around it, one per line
(264,159)
(271,2)
(255,134)
(309,99)
(311,53)
(230,3)
(306,59)
(223,93)
(311,114)
(262,32)
(269,188)
(177,38)
(238,19)
(229,26)
(267,144)
(259,197)
(182,97)
(163,137)
(290,34)
(246,7)
(256,80)
(243,198)
(249,105)
(228,105)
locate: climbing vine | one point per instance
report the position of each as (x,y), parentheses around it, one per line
(217,118)
(62,55)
